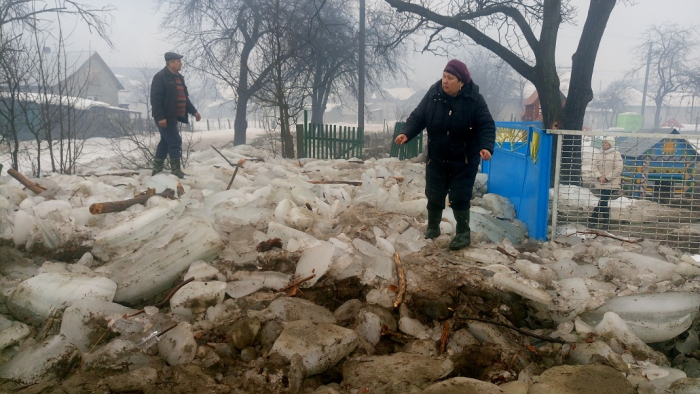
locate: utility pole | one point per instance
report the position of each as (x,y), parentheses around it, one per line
(361,79)
(646,82)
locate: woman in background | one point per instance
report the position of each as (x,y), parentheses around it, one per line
(607,168)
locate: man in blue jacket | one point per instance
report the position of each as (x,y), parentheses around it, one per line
(170,103)
(461,131)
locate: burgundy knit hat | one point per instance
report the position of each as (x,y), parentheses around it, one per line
(459,70)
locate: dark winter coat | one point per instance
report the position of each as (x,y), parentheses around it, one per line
(164,97)
(458,127)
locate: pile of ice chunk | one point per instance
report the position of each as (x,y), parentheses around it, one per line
(606,300)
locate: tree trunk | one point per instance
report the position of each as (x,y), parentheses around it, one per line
(657,113)
(580,91)
(240,123)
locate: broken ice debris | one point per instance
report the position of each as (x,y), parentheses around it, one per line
(652,317)
(314,261)
(35,298)
(155,266)
(86,320)
(195,297)
(321,346)
(49,360)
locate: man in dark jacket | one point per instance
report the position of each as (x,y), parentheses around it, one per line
(461,131)
(171,103)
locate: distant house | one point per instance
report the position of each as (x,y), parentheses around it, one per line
(658,168)
(89,77)
(533,111)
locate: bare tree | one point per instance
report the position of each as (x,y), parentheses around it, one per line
(613,100)
(525,34)
(497,81)
(22,23)
(667,46)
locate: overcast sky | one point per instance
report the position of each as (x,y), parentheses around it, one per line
(137,40)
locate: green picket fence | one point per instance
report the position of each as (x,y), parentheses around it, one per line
(325,141)
(408,150)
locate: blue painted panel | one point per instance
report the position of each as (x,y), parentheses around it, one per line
(522,176)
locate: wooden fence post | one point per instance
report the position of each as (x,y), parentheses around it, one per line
(300,141)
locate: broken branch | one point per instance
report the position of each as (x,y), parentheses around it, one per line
(118,206)
(34,187)
(495,323)
(402,280)
(295,284)
(444,336)
(500,249)
(165,301)
(352,183)
(600,234)
(232,178)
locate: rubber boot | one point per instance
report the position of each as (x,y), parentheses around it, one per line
(175,168)
(463,237)
(434,218)
(157,165)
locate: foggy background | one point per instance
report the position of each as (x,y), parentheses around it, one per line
(138,40)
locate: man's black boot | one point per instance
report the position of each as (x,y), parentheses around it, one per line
(434,218)
(175,168)
(463,237)
(157,165)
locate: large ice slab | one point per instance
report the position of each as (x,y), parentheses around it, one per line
(652,317)
(36,297)
(86,320)
(50,360)
(132,233)
(155,266)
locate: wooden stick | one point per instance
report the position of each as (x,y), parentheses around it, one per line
(118,206)
(352,183)
(34,187)
(98,341)
(232,178)
(165,301)
(180,190)
(598,233)
(557,340)
(166,330)
(505,252)
(295,284)
(444,336)
(402,280)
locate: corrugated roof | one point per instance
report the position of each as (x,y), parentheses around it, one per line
(637,146)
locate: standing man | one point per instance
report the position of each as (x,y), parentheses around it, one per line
(170,103)
(461,133)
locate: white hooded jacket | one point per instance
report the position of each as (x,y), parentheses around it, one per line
(608,164)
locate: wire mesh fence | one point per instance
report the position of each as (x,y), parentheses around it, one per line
(640,185)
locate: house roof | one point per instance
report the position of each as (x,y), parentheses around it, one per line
(95,58)
(637,146)
(534,96)
(53,99)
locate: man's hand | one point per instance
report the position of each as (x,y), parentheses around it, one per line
(197,116)
(401,139)
(163,123)
(603,179)
(485,154)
